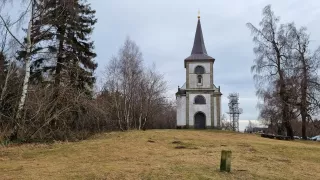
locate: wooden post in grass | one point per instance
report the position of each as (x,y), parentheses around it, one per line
(225,164)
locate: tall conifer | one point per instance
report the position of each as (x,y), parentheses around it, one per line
(63,52)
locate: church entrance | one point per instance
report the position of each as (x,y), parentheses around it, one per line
(199,120)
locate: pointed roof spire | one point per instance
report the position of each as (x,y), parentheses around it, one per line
(198,45)
(199,51)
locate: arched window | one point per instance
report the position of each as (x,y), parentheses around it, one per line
(199,79)
(199,70)
(199,100)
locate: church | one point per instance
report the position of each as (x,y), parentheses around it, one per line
(199,100)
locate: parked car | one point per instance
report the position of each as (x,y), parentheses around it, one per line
(316,138)
(296,137)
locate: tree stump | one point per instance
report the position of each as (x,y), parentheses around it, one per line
(225,164)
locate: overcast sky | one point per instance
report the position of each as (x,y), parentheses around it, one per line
(164,31)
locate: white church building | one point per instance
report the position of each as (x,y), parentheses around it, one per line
(199,100)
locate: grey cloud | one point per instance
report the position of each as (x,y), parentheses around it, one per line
(165,29)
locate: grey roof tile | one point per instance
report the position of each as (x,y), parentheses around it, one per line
(199,51)
(198,45)
(199,57)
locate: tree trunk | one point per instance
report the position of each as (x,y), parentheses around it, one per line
(5,85)
(116,102)
(4,89)
(304,121)
(303,107)
(286,119)
(140,121)
(58,68)
(144,124)
(27,75)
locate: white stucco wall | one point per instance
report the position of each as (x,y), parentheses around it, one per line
(181,111)
(194,108)
(219,122)
(215,119)
(193,81)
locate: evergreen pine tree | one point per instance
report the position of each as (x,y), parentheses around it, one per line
(63,52)
(79,48)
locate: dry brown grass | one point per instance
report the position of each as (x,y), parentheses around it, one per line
(154,154)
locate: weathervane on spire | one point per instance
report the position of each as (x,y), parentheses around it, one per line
(199,14)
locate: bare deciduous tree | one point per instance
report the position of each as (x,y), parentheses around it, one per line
(272,60)
(225,123)
(306,69)
(137,92)
(27,64)
(285,73)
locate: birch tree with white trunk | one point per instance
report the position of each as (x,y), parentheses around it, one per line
(27,63)
(136,92)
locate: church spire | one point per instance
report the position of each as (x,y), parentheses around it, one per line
(198,45)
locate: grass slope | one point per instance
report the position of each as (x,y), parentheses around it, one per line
(163,154)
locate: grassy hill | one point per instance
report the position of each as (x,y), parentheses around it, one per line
(163,154)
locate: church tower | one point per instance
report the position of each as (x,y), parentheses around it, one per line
(199,100)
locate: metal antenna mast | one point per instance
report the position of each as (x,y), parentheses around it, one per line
(234,110)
